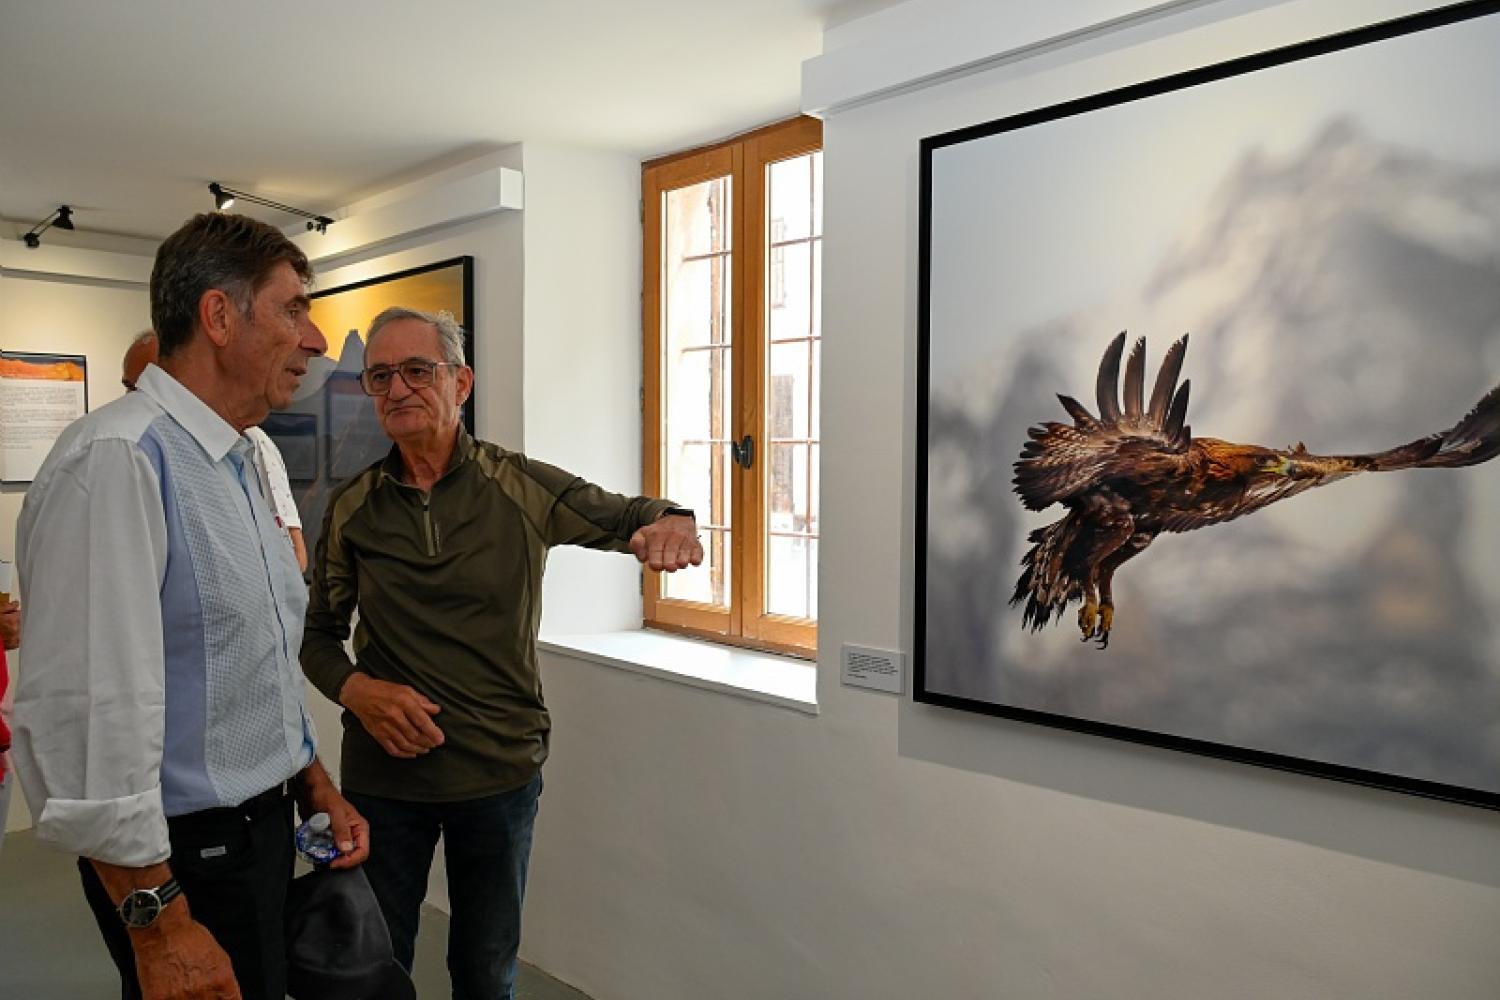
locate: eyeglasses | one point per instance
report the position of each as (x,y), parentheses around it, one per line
(418,374)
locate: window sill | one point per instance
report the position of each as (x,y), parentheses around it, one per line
(743,673)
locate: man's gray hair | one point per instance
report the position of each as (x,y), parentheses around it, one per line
(450,334)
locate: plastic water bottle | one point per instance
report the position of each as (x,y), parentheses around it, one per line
(315,840)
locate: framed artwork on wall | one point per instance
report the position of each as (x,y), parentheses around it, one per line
(40,395)
(330,432)
(1257,523)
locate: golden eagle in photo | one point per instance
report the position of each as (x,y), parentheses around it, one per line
(1131,473)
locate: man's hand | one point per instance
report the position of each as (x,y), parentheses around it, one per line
(176,958)
(316,793)
(397,716)
(10,625)
(668,544)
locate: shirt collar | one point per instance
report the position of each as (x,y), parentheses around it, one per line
(211,431)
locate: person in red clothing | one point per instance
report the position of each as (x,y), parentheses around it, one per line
(10,638)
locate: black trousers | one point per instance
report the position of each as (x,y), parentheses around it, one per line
(234,866)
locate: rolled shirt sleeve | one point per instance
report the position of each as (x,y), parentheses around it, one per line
(90,703)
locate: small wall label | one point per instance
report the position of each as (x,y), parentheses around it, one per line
(879,669)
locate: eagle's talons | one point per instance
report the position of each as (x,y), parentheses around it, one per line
(1106,622)
(1088,617)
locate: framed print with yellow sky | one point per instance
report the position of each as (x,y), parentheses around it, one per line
(330,432)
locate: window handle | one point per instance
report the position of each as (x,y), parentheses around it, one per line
(743,453)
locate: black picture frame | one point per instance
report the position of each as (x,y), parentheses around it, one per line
(972,603)
(330,431)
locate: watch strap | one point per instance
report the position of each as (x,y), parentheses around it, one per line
(168,891)
(679,512)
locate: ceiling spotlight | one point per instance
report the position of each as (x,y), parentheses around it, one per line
(61,217)
(225,197)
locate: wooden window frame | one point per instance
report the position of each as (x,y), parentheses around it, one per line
(745,160)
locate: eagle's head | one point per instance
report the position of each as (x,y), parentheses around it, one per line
(1294,463)
(1276,464)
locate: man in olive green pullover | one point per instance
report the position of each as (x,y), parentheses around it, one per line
(440,547)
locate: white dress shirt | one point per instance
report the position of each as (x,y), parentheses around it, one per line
(164,615)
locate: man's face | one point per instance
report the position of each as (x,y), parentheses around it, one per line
(271,347)
(427,412)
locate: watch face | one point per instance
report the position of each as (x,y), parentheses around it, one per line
(140,908)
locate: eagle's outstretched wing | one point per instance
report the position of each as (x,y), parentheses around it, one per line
(1062,460)
(1474,439)
(1471,441)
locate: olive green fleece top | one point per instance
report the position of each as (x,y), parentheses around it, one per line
(448,585)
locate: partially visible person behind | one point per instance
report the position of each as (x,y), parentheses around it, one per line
(10,638)
(142,352)
(164,739)
(279,490)
(440,547)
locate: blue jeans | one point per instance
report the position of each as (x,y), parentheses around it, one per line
(487,845)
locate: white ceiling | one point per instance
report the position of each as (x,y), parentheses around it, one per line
(127,110)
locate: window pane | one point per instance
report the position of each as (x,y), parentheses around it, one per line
(812,579)
(790,520)
(697,219)
(789,484)
(706,584)
(787,395)
(697,303)
(791,316)
(791,201)
(817,193)
(813,476)
(817,382)
(697,376)
(817,289)
(787,590)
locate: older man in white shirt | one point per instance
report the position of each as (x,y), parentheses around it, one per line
(166,739)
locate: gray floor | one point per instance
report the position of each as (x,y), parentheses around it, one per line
(50,948)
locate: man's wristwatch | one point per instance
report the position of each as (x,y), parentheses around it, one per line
(679,512)
(142,906)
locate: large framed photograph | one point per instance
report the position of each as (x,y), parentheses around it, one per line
(330,432)
(1209,411)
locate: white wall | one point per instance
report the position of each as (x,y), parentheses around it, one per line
(583,360)
(495,243)
(692,845)
(97,319)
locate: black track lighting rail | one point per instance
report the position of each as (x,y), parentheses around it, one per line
(224,197)
(61,218)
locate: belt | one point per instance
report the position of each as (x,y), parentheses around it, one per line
(254,808)
(268,801)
